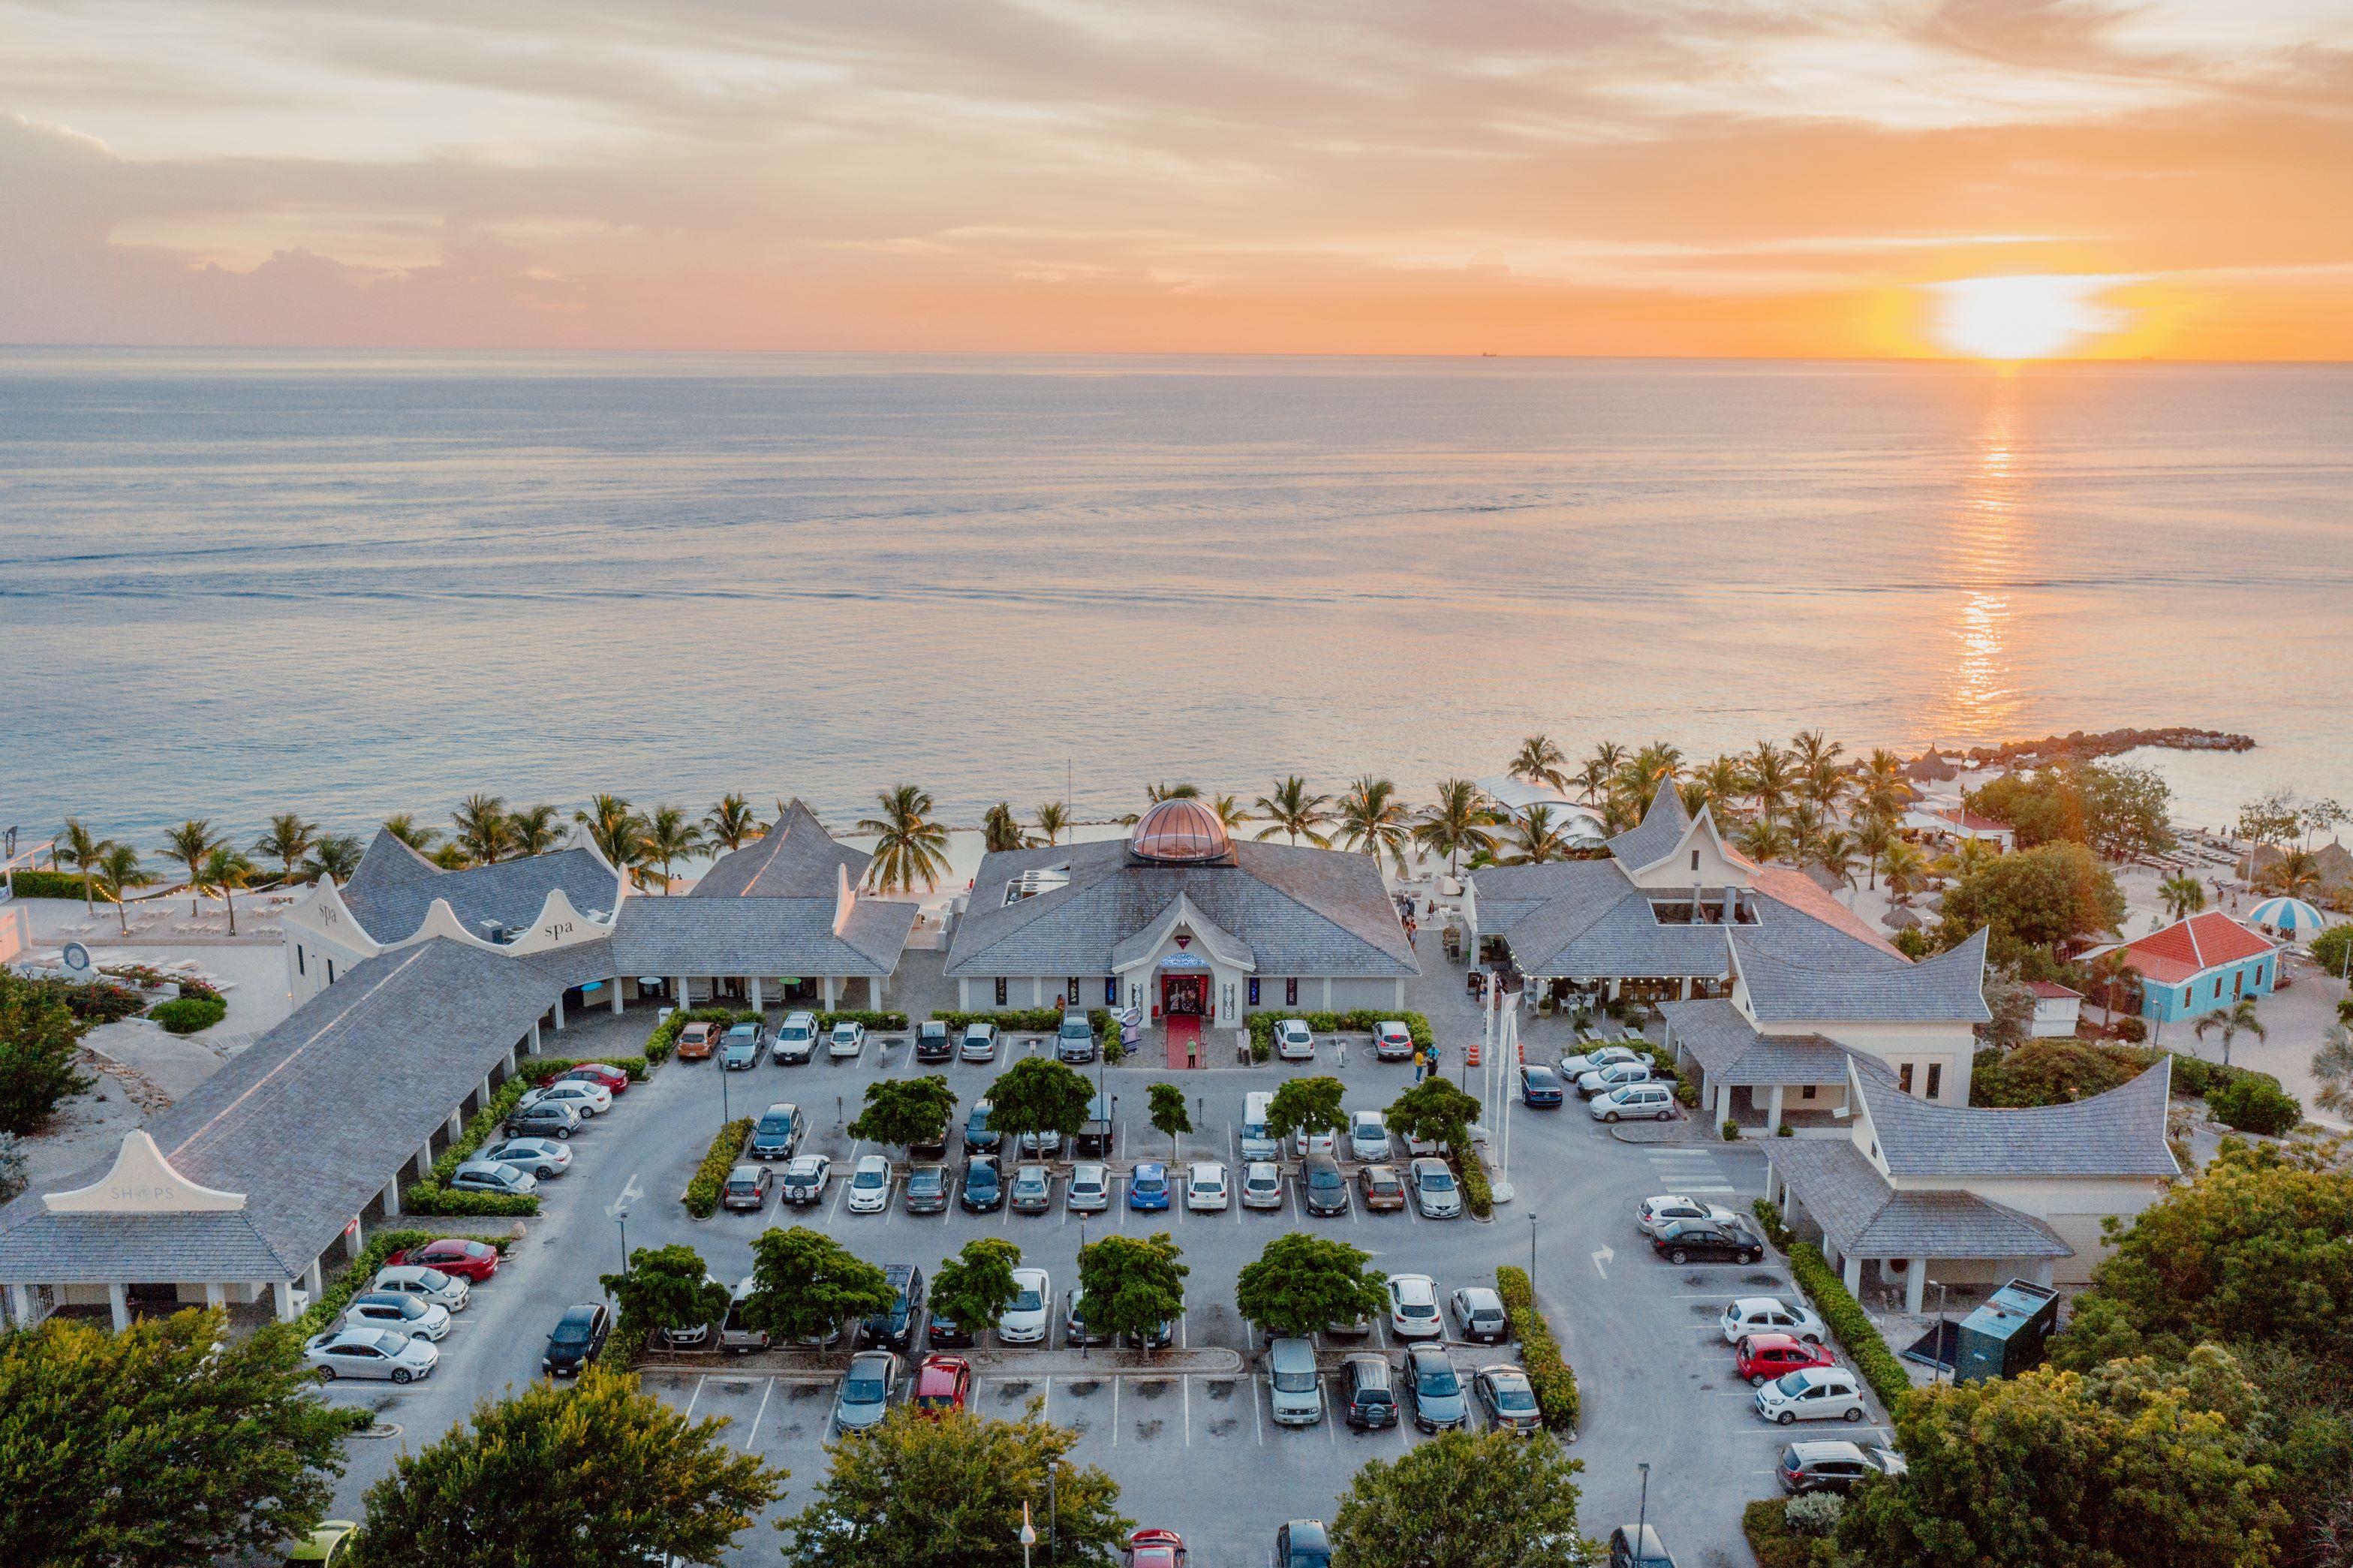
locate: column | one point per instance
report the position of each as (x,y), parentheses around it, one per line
(1915,1285)
(963,994)
(616,983)
(215,1296)
(559,1012)
(678,992)
(456,1128)
(1327,994)
(874,991)
(512,1063)
(756,1006)
(1400,992)
(425,1161)
(118,1298)
(20,1305)
(354,1238)
(314,1281)
(482,1094)
(1037,991)
(1773,1112)
(1773,1184)
(534,1036)
(281,1295)
(1722,1103)
(392,1198)
(1853,1276)
(832,991)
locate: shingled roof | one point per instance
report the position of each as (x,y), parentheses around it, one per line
(786,937)
(1949,987)
(393,887)
(1865,1217)
(1661,829)
(2119,1133)
(796,858)
(1731,1052)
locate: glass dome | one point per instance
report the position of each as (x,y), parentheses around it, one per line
(1180,832)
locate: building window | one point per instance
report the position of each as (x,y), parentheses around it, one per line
(1253,991)
(1935,1080)
(1290,992)
(1070,992)
(1000,991)
(1807,1093)
(1111,990)
(330,971)
(299,968)
(1903,1078)
(1695,859)
(2239,983)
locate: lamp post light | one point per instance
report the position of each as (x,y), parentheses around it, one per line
(1029,1535)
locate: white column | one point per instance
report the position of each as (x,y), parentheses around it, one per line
(1328,994)
(1722,1101)
(457,1123)
(1772,1183)
(215,1296)
(832,991)
(512,1063)
(559,1012)
(1037,991)
(281,1294)
(1400,992)
(392,1198)
(1773,1112)
(616,994)
(1852,1275)
(424,1161)
(756,1004)
(20,1304)
(874,983)
(354,1238)
(534,1036)
(1915,1285)
(118,1298)
(314,1281)
(483,1095)
(963,994)
(678,988)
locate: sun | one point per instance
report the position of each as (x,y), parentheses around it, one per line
(2023,318)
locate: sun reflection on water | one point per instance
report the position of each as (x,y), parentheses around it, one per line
(1982,699)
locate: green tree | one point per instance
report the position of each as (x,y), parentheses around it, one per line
(337,854)
(2118,810)
(919,1492)
(484,831)
(1540,761)
(584,1477)
(1302,1283)
(172,1442)
(119,872)
(535,829)
(1000,830)
(729,824)
(2011,1002)
(1306,1104)
(670,838)
(1053,821)
(2332,950)
(1771,776)
(190,844)
(909,847)
(617,832)
(1038,1094)
(1493,1501)
(405,826)
(1872,835)
(2238,1018)
(903,1110)
(2332,1068)
(2052,1070)
(2184,895)
(1838,855)
(1295,811)
(973,1288)
(224,872)
(1133,1284)
(1536,839)
(1156,793)
(666,1288)
(1434,1111)
(289,839)
(1168,1114)
(1766,839)
(1880,788)
(1458,820)
(2137,1462)
(1594,775)
(804,1285)
(1374,820)
(79,847)
(2043,898)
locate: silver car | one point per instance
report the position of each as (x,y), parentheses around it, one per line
(370,1352)
(544,1157)
(1089,1189)
(399,1312)
(491,1176)
(426,1284)
(1368,1137)
(868,1391)
(1435,1191)
(1262,1185)
(848,1039)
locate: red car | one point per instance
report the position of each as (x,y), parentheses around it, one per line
(474,1260)
(612,1077)
(1156,1548)
(1763,1357)
(943,1384)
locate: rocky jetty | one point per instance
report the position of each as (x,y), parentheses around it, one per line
(2108,743)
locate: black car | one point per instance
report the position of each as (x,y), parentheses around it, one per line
(777,1134)
(1368,1385)
(1437,1402)
(946,1333)
(1706,1241)
(983,1186)
(979,1138)
(1326,1190)
(579,1334)
(1539,1085)
(932,1042)
(927,1189)
(896,1328)
(1303,1543)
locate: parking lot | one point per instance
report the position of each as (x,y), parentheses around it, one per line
(1195,1451)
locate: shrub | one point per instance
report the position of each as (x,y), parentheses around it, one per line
(1731,1131)
(2053,1071)
(2132,1031)
(1360,1021)
(434,1195)
(48,885)
(1785,1131)
(703,1193)
(1548,1371)
(1687,1095)
(187,1015)
(101,1002)
(1766,1524)
(348,1284)
(1816,1514)
(1472,1172)
(866,1015)
(2255,1102)
(1912,944)
(1847,1320)
(1768,1220)
(199,989)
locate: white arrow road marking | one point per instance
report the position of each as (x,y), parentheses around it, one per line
(631,1193)
(1602,1259)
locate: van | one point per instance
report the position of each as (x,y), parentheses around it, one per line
(1295,1388)
(735,1336)
(1257,1144)
(1094,1133)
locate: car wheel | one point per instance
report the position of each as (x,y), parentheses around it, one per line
(547,1173)
(1785,1418)
(1812,1339)
(1854,1413)
(400,1375)
(326,1374)
(1756,1380)
(1610,1117)
(1679,1258)
(1752,1258)
(1666,1116)
(563,1132)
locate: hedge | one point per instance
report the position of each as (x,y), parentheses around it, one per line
(434,1195)
(1768,1220)
(2255,1103)
(703,1193)
(1476,1194)
(101,1002)
(187,1015)
(1847,1320)
(1036,1020)
(1548,1371)
(664,1039)
(349,1283)
(868,1016)
(49,885)
(1765,1524)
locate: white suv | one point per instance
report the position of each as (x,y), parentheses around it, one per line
(1294,1041)
(1653,1100)
(795,1039)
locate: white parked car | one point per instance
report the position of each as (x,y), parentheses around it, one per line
(1573,1067)
(1435,1191)
(869,1185)
(1811,1394)
(426,1284)
(1634,1102)
(370,1352)
(1262,1185)
(542,1157)
(1205,1187)
(1294,1040)
(1769,1315)
(1601,1080)
(1368,1137)
(795,1039)
(588,1099)
(848,1039)
(1413,1307)
(1024,1323)
(805,1177)
(1089,1189)
(491,1176)
(399,1312)
(1655,1215)
(1303,1144)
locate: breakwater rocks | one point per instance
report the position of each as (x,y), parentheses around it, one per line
(2111,743)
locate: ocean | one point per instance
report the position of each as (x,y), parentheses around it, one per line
(351,583)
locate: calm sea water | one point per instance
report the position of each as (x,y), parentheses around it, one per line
(356,583)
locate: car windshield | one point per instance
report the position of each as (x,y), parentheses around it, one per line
(1436,1379)
(1144,1183)
(1417,1309)
(391,1344)
(794,1032)
(572,1331)
(1027,1302)
(1323,1176)
(863,1390)
(868,1179)
(1028,1179)
(433,1279)
(1511,1394)
(1793,1385)
(775,1126)
(928,1181)
(1437,1181)
(1294,1381)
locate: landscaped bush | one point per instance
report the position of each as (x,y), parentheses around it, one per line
(1687,1095)
(872,1019)
(703,1193)
(361,1273)
(2053,1070)
(48,885)
(1768,1220)
(2132,1031)
(1815,1515)
(1845,1318)
(199,989)
(101,1002)
(1548,1371)
(1766,1525)
(1730,1131)
(664,1039)
(2255,1103)
(1031,1020)
(1361,1021)
(1471,1171)
(2199,1079)
(187,1015)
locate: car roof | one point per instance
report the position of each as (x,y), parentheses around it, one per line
(870,1357)
(1827,1448)
(584,1310)
(1480,1296)
(869,1162)
(1308,1533)
(1382,1170)
(940,1372)
(746,1170)
(1404,1284)
(1151,1167)
(1038,1274)
(1773,1338)
(1756,1303)
(1090,1169)
(803,1161)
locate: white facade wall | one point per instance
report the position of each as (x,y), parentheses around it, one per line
(1952,1046)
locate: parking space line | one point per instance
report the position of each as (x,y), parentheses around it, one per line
(696,1395)
(758,1415)
(1187,1385)
(1256,1419)
(1115,1382)
(1330,1423)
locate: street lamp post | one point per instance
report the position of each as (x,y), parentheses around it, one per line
(1029,1535)
(1642,1515)
(1531,1252)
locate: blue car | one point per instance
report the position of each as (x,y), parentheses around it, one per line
(1148,1188)
(1539,1085)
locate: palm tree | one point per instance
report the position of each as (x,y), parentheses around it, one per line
(1836,853)
(1536,840)
(1053,821)
(1903,866)
(2183,894)
(225,871)
(2230,1021)
(617,832)
(1718,784)
(77,848)
(1826,783)
(1373,819)
(535,830)
(451,857)
(1971,856)
(1640,777)
(2108,971)
(2296,873)
(670,837)
(1159,792)
(1228,811)
(289,839)
(1805,831)
(1768,779)
(1459,820)
(189,843)
(1599,769)
(1291,809)
(118,871)
(909,847)
(2332,1067)
(1000,831)
(337,854)
(404,827)
(1883,789)
(1812,748)
(483,832)
(730,823)
(1539,761)
(1764,839)
(1872,835)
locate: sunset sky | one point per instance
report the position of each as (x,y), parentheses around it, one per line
(2174,178)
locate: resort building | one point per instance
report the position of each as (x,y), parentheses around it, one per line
(2056,1009)
(2196,965)
(1579,826)
(1955,822)
(1181,923)
(1969,1194)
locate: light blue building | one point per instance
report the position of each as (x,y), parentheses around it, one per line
(2193,966)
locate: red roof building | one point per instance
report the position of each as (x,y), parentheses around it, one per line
(2205,962)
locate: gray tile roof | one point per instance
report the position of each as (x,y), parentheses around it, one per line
(1730,1051)
(2119,1133)
(797,858)
(308,1122)
(1864,1216)
(1300,910)
(1661,829)
(1221,944)
(784,937)
(1948,986)
(394,886)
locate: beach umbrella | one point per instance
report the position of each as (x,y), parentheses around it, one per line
(2286,916)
